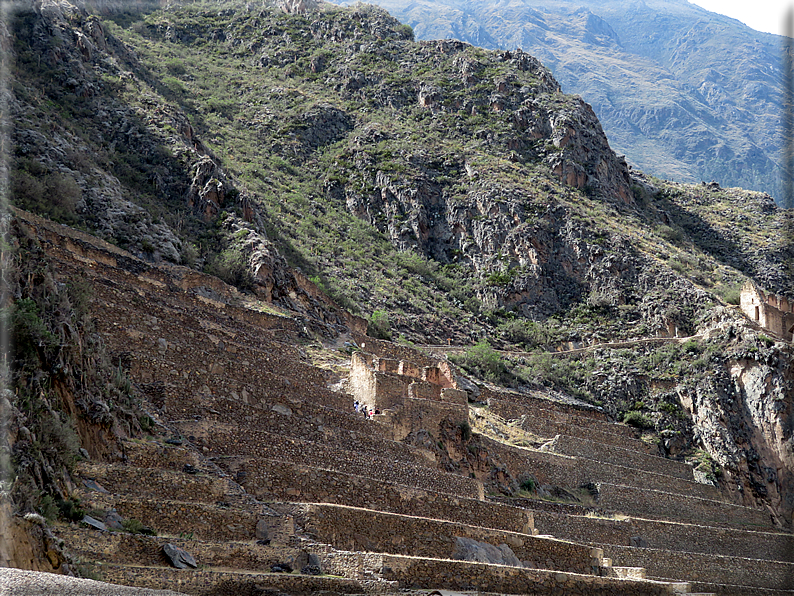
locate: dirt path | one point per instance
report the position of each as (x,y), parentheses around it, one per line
(620,344)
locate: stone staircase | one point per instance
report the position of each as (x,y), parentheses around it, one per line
(253,462)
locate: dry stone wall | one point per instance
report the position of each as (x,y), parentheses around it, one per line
(152,482)
(385,466)
(137,549)
(665,535)
(229,583)
(662,505)
(572,472)
(537,401)
(665,564)
(387,349)
(351,529)
(422,413)
(276,481)
(547,427)
(203,520)
(579,447)
(228,439)
(460,575)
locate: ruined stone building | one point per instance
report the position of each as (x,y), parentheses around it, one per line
(774,313)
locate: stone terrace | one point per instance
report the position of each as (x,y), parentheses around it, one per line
(255,461)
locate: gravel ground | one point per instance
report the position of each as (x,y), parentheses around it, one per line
(16,582)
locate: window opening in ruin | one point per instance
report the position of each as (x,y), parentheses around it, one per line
(756,314)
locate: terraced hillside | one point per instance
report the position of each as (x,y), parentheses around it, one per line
(255,462)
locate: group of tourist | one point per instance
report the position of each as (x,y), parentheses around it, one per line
(363,409)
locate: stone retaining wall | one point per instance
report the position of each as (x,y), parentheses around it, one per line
(416,414)
(383,467)
(387,349)
(276,481)
(211,379)
(578,447)
(666,535)
(152,483)
(706,568)
(298,418)
(511,409)
(511,398)
(572,472)
(230,438)
(548,428)
(465,575)
(137,549)
(226,583)
(734,590)
(353,529)
(203,521)
(661,505)
(151,454)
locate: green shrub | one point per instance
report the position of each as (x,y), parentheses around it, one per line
(499,278)
(638,420)
(379,325)
(565,374)
(405,32)
(528,334)
(483,361)
(465,430)
(528,484)
(231,265)
(48,507)
(677,265)
(31,338)
(732,296)
(175,67)
(134,526)
(691,346)
(730,293)
(70,509)
(53,195)
(670,234)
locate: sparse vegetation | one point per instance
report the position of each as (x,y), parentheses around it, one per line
(135,526)
(379,326)
(638,420)
(483,361)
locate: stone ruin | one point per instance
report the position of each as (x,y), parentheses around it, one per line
(773,313)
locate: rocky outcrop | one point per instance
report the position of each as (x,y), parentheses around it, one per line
(467,549)
(684,114)
(743,415)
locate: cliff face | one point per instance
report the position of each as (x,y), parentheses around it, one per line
(744,417)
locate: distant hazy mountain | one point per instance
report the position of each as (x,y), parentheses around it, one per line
(686,94)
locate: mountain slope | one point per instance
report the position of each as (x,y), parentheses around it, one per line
(322,158)
(684,93)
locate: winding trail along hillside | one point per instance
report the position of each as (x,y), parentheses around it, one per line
(256,463)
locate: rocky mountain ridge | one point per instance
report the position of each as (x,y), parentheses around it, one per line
(686,94)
